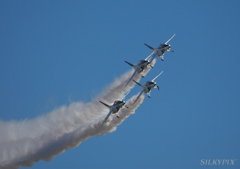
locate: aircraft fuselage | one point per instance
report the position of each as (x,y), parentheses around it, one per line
(117,105)
(142,65)
(162,48)
(148,86)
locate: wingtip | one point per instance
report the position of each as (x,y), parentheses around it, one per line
(135,81)
(128,82)
(134,102)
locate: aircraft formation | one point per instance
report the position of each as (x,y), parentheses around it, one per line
(138,69)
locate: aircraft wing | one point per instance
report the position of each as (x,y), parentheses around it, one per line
(105,104)
(138,84)
(170,39)
(130,64)
(149,46)
(157,76)
(138,96)
(125,95)
(107,116)
(132,76)
(151,57)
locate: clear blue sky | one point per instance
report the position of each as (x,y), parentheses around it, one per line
(55,52)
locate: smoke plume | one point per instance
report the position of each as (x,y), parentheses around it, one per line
(24,142)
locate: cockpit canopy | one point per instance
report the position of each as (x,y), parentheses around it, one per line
(142,61)
(117,102)
(150,83)
(164,45)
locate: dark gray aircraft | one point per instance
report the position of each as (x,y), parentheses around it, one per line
(139,68)
(147,87)
(160,50)
(115,107)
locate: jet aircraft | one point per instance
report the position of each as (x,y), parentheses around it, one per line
(147,87)
(117,105)
(139,68)
(160,50)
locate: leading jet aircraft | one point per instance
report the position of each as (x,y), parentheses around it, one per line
(117,105)
(147,87)
(160,50)
(139,68)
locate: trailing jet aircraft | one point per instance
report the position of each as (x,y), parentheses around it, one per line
(160,50)
(117,105)
(147,87)
(142,64)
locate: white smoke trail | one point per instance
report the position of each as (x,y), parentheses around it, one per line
(24,142)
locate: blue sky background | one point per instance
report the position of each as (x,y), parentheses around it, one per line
(55,52)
